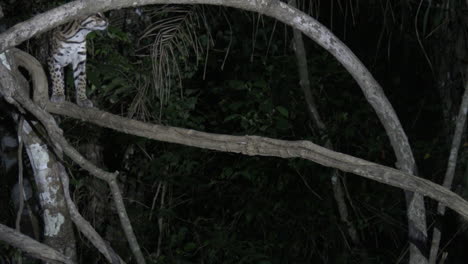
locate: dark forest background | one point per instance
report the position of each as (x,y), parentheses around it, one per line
(228,71)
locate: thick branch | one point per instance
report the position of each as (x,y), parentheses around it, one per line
(274,8)
(31,246)
(38,76)
(254,145)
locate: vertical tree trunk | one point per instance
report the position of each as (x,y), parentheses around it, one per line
(336,182)
(451,70)
(58,230)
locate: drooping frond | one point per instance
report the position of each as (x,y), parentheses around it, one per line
(174,44)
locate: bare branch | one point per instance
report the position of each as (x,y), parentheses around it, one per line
(261,146)
(452,164)
(274,8)
(38,76)
(83,225)
(31,246)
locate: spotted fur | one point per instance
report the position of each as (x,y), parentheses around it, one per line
(68,46)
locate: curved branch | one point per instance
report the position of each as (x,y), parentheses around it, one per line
(38,76)
(83,225)
(279,10)
(261,146)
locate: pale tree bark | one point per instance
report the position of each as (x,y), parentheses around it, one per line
(44,162)
(261,146)
(279,10)
(61,144)
(58,230)
(276,9)
(11,82)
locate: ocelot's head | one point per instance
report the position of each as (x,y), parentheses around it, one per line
(94,22)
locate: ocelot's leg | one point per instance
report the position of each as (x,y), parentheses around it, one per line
(58,85)
(79,74)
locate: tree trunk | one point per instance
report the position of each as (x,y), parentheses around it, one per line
(58,229)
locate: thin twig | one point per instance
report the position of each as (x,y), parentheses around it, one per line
(451,166)
(21,193)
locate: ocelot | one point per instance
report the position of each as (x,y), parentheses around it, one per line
(68,46)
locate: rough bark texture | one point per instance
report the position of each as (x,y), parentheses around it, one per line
(261,146)
(38,76)
(44,163)
(58,230)
(61,145)
(276,9)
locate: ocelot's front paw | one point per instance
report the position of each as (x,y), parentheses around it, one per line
(57,98)
(84,103)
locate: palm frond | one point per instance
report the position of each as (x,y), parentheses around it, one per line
(174,43)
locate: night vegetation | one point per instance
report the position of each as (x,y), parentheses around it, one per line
(229,71)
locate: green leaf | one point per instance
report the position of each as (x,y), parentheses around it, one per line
(231,117)
(236,84)
(282,123)
(260,84)
(190,246)
(283,111)
(94,79)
